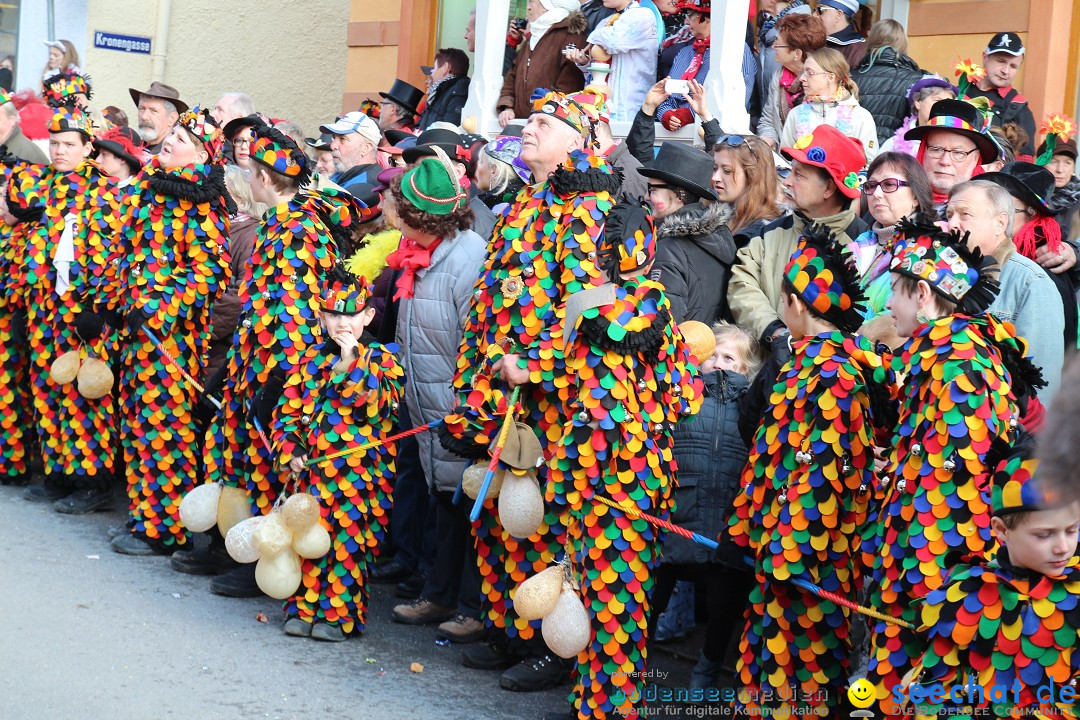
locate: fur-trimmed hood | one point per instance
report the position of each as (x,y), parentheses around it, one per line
(704,226)
(575,22)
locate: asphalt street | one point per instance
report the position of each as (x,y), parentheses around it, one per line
(89,634)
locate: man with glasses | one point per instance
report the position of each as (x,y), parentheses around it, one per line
(355,139)
(1028,297)
(837,15)
(953,146)
(398,109)
(822,183)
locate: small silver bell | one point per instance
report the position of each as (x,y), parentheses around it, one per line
(528,272)
(305,419)
(583,416)
(1013,423)
(246,323)
(266,295)
(916,450)
(864,488)
(677,391)
(642,386)
(393,406)
(949,465)
(591,255)
(901,484)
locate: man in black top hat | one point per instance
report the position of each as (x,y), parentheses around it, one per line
(399,107)
(1001,59)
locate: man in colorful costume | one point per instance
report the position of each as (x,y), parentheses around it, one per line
(64,257)
(543,250)
(170,265)
(616,445)
(809,484)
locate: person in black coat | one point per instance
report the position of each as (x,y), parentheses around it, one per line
(711,455)
(884,77)
(695,250)
(449,88)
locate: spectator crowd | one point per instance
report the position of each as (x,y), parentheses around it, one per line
(493,370)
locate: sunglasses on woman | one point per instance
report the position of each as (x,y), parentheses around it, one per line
(888,185)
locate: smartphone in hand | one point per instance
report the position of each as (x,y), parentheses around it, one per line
(681,87)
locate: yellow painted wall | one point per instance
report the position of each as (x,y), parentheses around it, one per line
(289,56)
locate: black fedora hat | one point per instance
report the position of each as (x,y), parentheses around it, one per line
(451,143)
(683,166)
(236,124)
(960,117)
(403,94)
(1033,184)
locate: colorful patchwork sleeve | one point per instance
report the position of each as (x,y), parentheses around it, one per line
(295,409)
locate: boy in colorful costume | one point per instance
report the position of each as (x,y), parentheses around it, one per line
(965,371)
(617,445)
(65,255)
(340,395)
(298,242)
(171,264)
(68,90)
(808,486)
(543,250)
(1014,621)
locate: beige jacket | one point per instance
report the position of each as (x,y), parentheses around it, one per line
(754,290)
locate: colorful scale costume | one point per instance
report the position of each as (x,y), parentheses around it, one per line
(807,490)
(294,249)
(171,266)
(542,251)
(962,370)
(18,428)
(993,623)
(329,406)
(65,255)
(631,381)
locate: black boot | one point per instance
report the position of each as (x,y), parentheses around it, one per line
(19,479)
(491,655)
(45,493)
(238,583)
(85,501)
(132,544)
(210,560)
(534,674)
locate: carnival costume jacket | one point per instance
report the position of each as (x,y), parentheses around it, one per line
(542,251)
(171,264)
(631,381)
(807,491)
(330,406)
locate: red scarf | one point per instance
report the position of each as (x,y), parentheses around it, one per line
(409,258)
(793,97)
(700,46)
(942,198)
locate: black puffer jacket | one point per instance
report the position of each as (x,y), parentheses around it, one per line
(884,77)
(694,255)
(711,455)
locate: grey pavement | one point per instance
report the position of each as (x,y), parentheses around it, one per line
(89,634)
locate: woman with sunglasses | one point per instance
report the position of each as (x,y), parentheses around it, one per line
(830,97)
(744,177)
(896,188)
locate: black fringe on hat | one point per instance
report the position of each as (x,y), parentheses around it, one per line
(985,289)
(842,264)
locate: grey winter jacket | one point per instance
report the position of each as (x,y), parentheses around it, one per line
(694,255)
(710,454)
(429,329)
